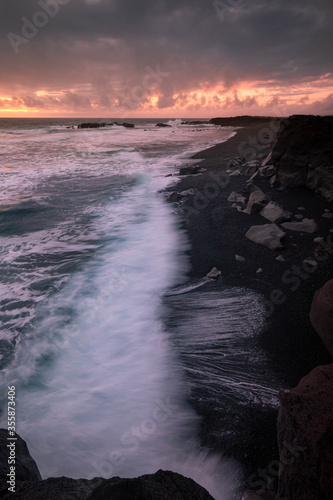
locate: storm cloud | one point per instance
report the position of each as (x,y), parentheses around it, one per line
(102,55)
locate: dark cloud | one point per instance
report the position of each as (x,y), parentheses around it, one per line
(100,49)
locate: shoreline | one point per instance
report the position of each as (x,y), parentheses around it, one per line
(216,232)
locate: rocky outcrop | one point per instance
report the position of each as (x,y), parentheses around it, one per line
(305,438)
(240,121)
(25,466)
(303,153)
(163,485)
(321,314)
(92,125)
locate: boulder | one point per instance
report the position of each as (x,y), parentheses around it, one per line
(274,213)
(321,314)
(164,485)
(269,235)
(127,125)
(162,125)
(305,438)
(303,153)
(257,201)
(305,226)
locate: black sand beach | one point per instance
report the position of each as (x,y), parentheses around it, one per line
(216,231)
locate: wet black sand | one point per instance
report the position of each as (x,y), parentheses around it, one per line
(217,233)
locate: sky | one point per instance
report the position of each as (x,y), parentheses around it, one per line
(165,58)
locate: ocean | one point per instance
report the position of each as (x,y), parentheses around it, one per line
(104,336)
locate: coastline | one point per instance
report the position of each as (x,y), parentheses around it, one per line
(216,233)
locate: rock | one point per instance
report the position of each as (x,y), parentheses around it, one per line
(240,121)
(327,216)
(306,226)
(267,160)
(91,125)
(29,486)
(267,171)
(163,485)
(321,314)
(269,235)
(173,196)
(299,216)
(187,192)
(274,213)
(280,258)
(162,125)
(254,495)
(237,198)
(190,169)
(214,274)
(260,270)
(127,125)
(257,201)
(303,153)
(250,171)
(305,430)
(25,466)
(235,173)
(300,208)
(239,258)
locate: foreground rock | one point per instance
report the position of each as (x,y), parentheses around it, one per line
(25,466)
(163,485)
(305,433)
(303,153)
(269,235)
(321,314)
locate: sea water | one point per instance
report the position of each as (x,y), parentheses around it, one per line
(91,259)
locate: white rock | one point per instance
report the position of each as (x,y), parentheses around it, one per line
(273,212)
(187,192)
(214,274)
(268,235)
(258,198)
(239,258)
(320,239)
(307,226)
(280,258)
(235,173)
(260,270)
(236,197)
(300,208)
